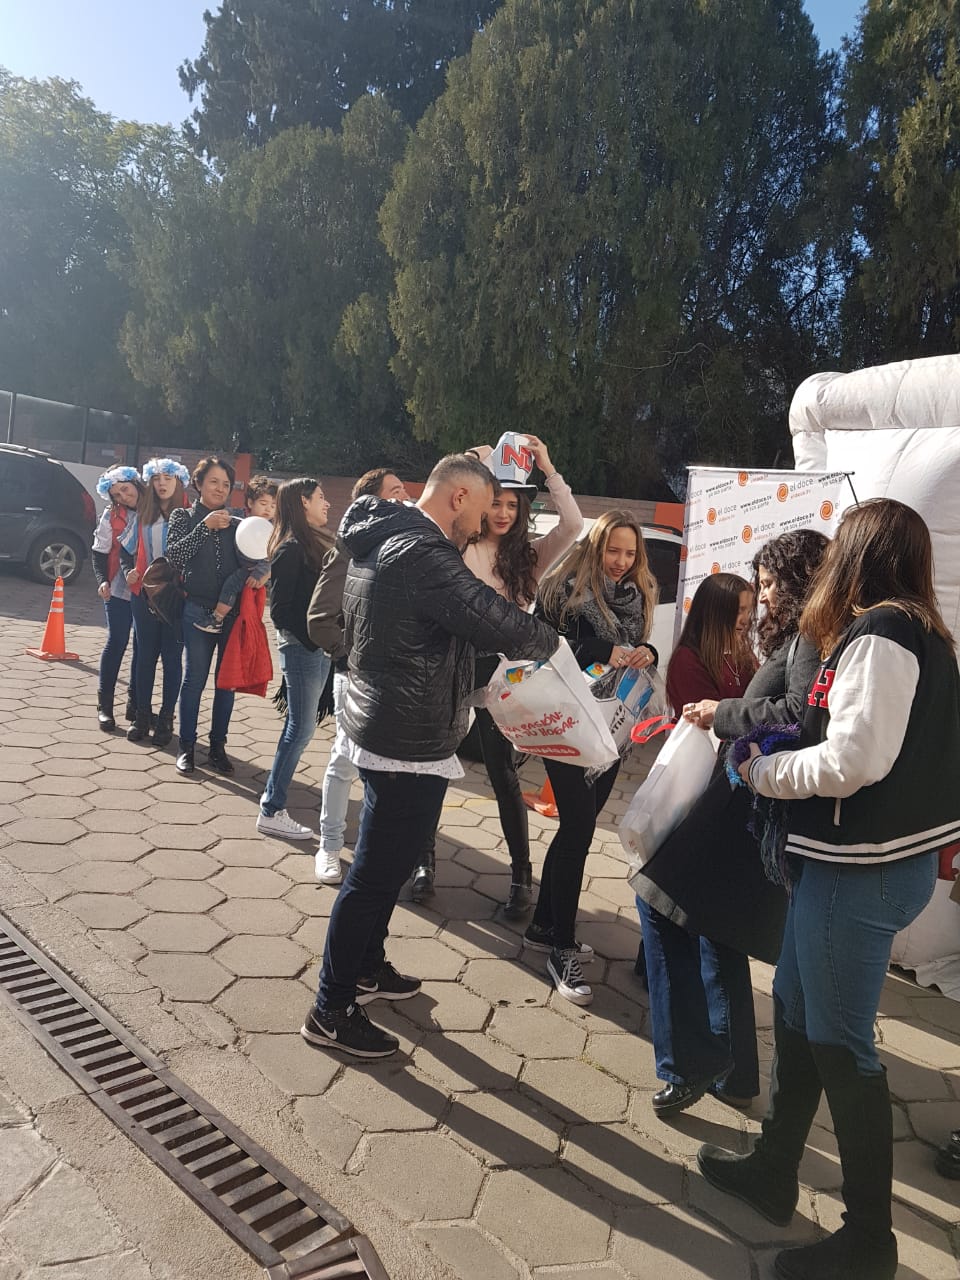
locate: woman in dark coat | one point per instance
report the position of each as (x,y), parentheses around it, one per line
(707,877)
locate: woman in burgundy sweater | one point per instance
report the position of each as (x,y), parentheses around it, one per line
(701,1001)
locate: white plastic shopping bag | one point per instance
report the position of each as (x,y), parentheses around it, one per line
(549,711)
(637,695)
(675,783)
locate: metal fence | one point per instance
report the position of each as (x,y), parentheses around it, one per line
(71,432)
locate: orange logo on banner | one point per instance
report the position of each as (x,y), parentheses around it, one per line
(826,510)
(714,568)
(683,554)
(712,516)
(783,492)
(687,602)
(743,479)
(747,533)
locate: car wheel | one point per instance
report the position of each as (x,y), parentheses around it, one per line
(55,555)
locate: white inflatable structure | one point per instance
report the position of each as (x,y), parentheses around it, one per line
(896,429)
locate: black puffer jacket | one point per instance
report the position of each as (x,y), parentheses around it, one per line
(414,618)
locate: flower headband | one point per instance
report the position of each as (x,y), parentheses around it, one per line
(117,475)
(166,467)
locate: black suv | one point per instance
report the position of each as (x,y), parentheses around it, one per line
(47,518)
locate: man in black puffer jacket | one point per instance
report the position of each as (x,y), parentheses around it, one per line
(414,617)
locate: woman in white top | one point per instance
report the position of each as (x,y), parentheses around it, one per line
(509,560)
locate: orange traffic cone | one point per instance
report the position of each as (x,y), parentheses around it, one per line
(542,800)
(53,645)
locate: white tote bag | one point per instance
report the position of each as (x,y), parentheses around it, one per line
(637,695)
(675,783)
(549,711)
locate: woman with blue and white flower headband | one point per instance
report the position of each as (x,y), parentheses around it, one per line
(121,488)
(157,640)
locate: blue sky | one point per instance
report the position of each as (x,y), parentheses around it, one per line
(125,53)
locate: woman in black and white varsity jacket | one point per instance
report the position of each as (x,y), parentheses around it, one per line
(873,796)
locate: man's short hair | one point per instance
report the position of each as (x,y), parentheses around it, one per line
(460,468)
(371,482)
(260,487)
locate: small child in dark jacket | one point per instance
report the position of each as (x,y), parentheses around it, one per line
(260,500)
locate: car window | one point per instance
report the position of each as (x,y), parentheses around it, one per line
(22,482)
(664,558)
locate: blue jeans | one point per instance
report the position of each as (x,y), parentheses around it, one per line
(341,773)
(156,642)
(840,926)
(398,821)
(701,1007)
(200,647)
(306,674)
(119,618)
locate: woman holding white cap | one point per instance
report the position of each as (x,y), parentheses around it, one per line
(165,481)
(509,560)
(121,488)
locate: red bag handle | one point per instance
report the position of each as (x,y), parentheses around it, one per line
(643,732)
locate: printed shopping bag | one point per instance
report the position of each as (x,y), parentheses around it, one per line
(636,695)
(675,783)
(548,710)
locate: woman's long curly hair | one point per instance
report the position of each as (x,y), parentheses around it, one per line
(791,560)
(516,560)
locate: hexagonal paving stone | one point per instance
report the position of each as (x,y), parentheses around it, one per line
(574,1090)
(312,899)
(470,1255)
(422,1175)
(53,806)
(186,977)
(106,877)
(40,857)
(919,1041)
(628,1057)
(250,882)
(184,791)
(297,867)
(45,830)
(448,1006)
(178,895)
(251,853)
(481,939)
(537,1033)
(56,768)
(503,983)
(116,821)
(394,1098)
(608,1011)
(268,916)
(505,1128)
(180,864)
(293,1064)
(104,910)
(266,1004)
(664,1240)
(329,1132)
(545,1216)
(425,958)
(254,956)
(169,931)
(111,848)
(613,941)
(738,1219)
(622,1166)
(466,1060)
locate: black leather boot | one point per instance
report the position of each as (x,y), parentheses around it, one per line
(423,876)
(163,733)
(139,731)
(218,759)
(105,712)
(185,762)
(865,1247)
(520,898)
(766,1179)
(130,710)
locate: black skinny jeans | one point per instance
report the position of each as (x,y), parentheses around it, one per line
(579,803)
(500,760)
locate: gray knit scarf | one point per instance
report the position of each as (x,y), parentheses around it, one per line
(625,602)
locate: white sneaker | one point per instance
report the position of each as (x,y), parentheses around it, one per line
(328,867)
(564,968)
(282,825)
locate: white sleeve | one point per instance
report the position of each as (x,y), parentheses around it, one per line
(103,534)
(870,702)
(560,539)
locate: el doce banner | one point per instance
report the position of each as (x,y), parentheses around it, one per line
(731,514)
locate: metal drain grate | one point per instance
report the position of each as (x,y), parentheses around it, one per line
(290,1231)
